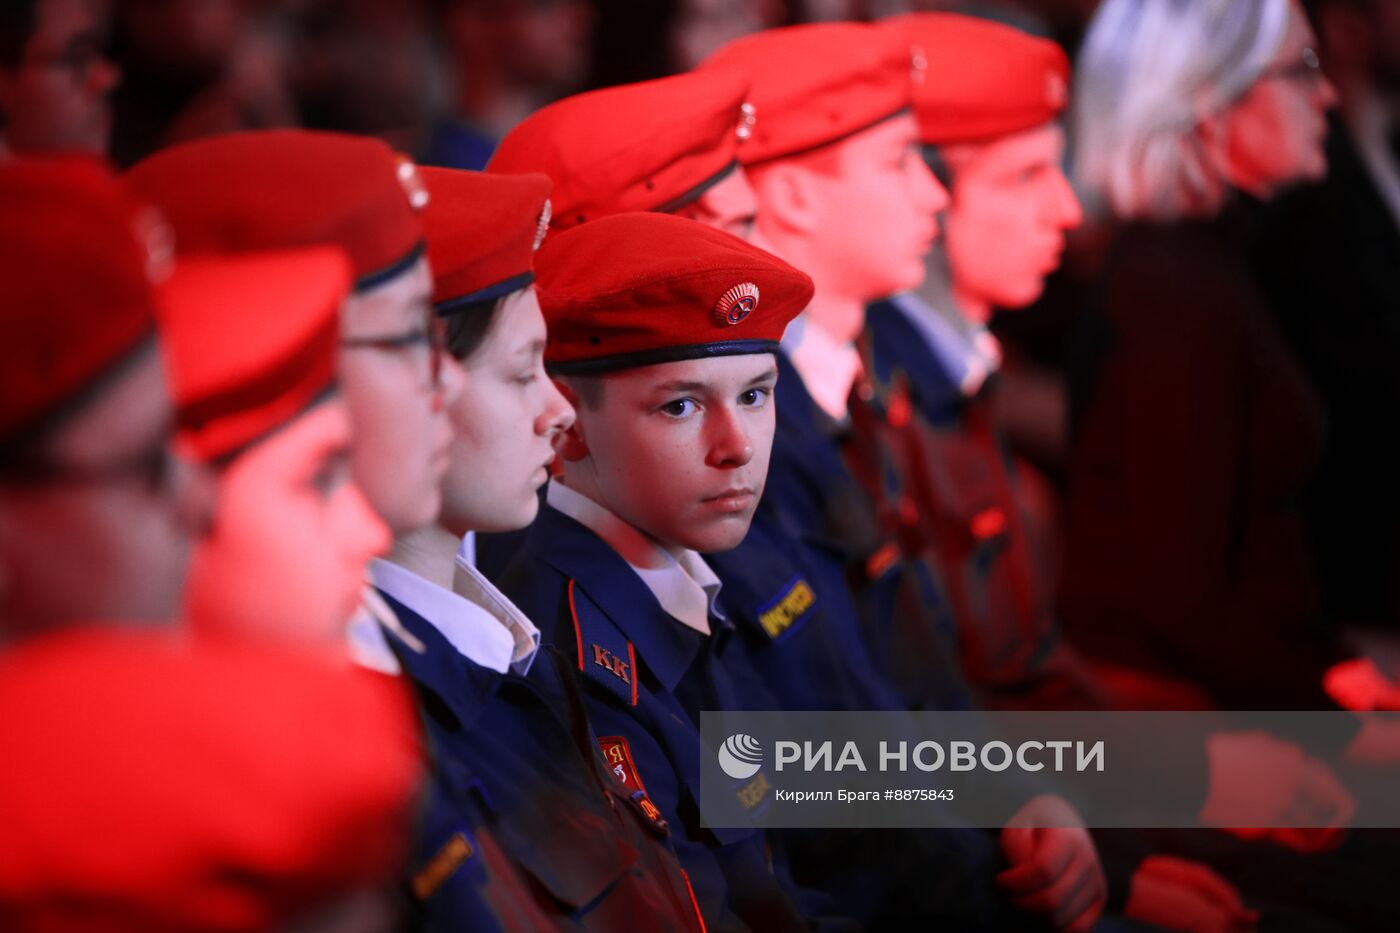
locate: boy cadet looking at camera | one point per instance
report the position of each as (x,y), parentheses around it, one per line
(669,145)
(662,333)
(673,148)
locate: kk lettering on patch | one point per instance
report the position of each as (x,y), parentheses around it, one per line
(612,664)
(618,754)
(778,616)
(605,656)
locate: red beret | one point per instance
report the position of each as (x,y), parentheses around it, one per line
(983,78)
(653,146)
(482,233)
(250,356)
(817,84)
(162,785)
(79,259)
(636,289)
(274,189)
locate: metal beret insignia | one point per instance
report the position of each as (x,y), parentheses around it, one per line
(412,183)
(736,304)
(748,115)
(918,65)
(157,240)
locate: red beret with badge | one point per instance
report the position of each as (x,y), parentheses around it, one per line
(638,289)
(982,79)
(275,189)
(244,360)
(651,146)
(161,784)
(816,84)
(482,231)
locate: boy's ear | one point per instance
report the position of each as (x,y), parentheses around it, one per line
(569,444)
(788,194)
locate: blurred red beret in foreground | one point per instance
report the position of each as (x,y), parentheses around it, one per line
(158,785)
(638,289)
(817,84)
(982,78)
(80,259)
(247,359)
(274,189)
(483,231)
(651,146)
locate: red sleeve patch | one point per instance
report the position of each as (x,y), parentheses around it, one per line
(618,754)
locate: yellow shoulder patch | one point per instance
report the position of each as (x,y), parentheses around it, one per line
(777,617)
(449,858)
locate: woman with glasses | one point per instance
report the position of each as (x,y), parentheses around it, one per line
(1194,429)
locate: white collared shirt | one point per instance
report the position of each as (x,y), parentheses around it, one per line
(828,367)
(967,349)
(482,624)
(683,584)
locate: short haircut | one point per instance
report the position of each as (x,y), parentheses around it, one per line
(468,325)
(589,389)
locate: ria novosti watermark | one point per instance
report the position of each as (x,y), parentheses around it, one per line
(977,769)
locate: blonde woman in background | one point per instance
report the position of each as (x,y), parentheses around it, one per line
(1193,427)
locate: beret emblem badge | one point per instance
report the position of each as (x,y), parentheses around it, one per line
(736,304)
(412,184)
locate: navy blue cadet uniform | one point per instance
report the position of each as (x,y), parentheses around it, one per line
(645,676)
(963,483)
(796,627)
(627,292)
(813,497)
(525,826)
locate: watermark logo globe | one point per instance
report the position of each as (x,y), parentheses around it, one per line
(741,756)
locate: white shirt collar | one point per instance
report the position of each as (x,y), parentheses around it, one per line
(968,349)
(829,368)
(368,646)
(470,584)
(484,626)
(684,585)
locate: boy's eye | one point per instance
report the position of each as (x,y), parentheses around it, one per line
(754,398)
(526,378)
(328,477)
(680,408)
(324,480)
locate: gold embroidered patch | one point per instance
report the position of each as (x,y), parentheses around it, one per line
(777,617)
(752,793)
(448,859)
(612,664)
